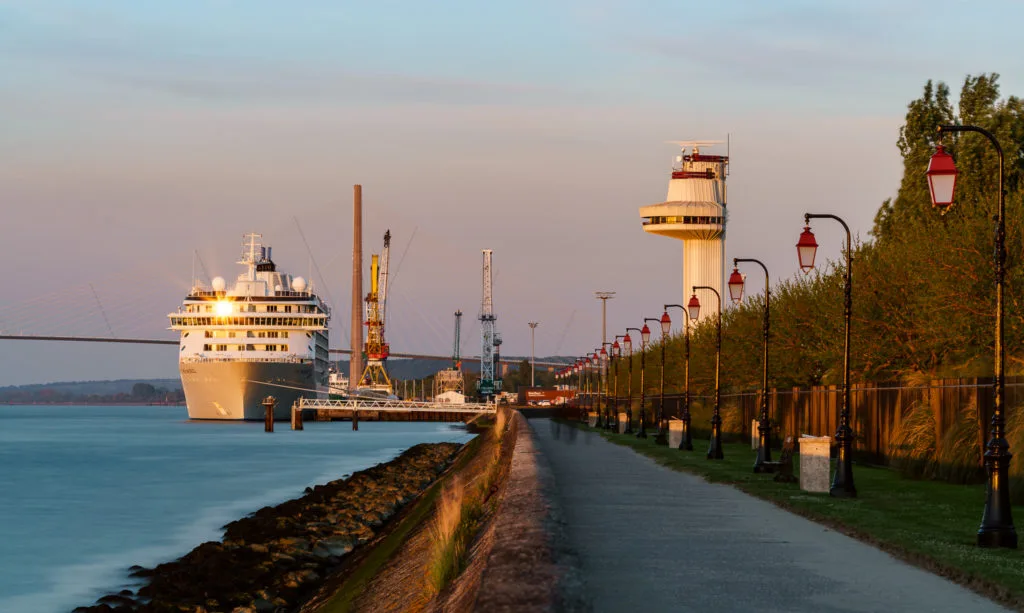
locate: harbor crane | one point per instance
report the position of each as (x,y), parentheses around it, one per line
(450,379)
(489,383)
(375,376)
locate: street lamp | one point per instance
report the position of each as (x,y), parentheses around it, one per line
(764,441)
(604,384)
(662,437)
(715,447)
(842,482)
(628,344)
(616,352)
(533,327)
(595,389)
(687,443)
(645,335)
(996,528)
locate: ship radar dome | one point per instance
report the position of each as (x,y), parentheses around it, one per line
(278,287)
(299,284)
(218,284)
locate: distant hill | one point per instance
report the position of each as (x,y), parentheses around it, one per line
(87,388)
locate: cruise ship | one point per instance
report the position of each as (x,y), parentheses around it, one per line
(265,336)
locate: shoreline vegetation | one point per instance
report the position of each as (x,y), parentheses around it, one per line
(276,558)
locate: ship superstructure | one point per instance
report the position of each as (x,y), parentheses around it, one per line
(695,212)
(265,336)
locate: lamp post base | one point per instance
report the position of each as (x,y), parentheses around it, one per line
(997,521)
(715,447)
(842,482)
(764,449)
(687,443)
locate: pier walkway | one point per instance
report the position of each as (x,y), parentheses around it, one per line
(648,538)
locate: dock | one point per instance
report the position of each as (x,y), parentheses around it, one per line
(384,410)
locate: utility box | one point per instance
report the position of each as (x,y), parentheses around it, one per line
(814,462)
(675,433)
(622,423)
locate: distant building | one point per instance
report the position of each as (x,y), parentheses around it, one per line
(546,396)
(450,397)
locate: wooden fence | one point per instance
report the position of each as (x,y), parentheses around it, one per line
(876,409)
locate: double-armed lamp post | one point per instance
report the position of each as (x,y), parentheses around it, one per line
(666,323)
(715,447)
(997,529)
(807,247)
(764,432)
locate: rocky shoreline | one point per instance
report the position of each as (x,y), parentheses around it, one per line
(274,559)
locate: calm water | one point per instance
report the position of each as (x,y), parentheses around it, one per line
(85,492)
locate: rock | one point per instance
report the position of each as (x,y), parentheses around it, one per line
(263,606)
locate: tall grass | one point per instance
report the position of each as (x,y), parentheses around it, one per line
(447,543)
(912,444)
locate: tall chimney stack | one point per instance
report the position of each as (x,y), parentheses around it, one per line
(355,365)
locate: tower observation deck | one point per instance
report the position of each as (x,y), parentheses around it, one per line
(695,212)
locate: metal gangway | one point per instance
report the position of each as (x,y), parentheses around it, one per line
(353,406)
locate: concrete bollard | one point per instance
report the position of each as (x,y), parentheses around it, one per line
(296,418)
(814,463)
(355,420)
(753,435)
(622,423)
(592,419)
(268,406)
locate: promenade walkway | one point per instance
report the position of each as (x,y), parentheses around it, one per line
(652,539)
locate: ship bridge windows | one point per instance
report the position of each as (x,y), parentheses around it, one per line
(251,322)
(702,220)
(245,348)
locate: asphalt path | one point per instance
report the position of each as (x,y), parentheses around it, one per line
(647,538)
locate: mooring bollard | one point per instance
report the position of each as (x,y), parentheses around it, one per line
(268,405)
(355,419)
(296,418)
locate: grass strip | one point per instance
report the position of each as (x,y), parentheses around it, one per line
(930,524)
(378,556)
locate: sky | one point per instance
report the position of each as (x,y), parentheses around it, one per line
(142,139)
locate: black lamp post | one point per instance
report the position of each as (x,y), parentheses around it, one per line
(997,528)
(666,322)
(661,438)
(806,247)
(764,431)
(579,387)
(715,447)
(628,344)
(616,352)
(645,335)
(604,385)
(595,388)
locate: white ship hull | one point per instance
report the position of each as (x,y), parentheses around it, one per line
(225,390)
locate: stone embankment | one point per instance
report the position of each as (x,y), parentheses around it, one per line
(274,559)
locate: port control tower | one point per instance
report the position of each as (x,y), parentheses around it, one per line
(695,212)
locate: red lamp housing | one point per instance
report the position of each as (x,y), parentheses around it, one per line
(942,174)
(806,248)
(693,307)
(616,349)
(736,283)
(666,323)
(628,344)
(645,335)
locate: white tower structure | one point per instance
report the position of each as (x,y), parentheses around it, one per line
(490,382)
(695,212)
